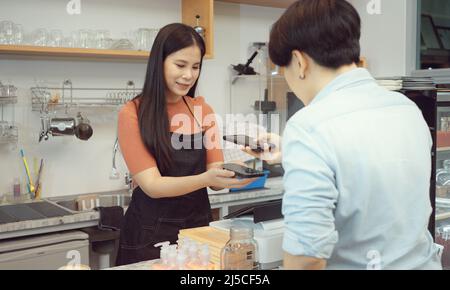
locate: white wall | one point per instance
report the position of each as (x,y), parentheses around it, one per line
(215,79)
(73,166)
(384,37)
(255,26)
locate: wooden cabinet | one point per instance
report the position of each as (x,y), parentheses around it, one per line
(205,9)
(190,8)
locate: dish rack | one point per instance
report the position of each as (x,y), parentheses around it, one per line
(45,98)
(8,130)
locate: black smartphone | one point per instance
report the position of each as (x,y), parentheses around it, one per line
(242,171)
(247,141)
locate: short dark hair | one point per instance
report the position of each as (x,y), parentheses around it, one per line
(326,30)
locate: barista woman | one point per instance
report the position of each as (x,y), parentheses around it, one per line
(159,135)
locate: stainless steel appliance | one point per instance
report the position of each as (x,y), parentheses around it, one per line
(45,252)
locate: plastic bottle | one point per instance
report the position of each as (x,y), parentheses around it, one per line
(193,262)
(163,264)
(183,245)
(200,258)
(240,252)
(181,261)
(204,257)
(193,253)
(172,254)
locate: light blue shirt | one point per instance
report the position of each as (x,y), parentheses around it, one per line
(357,166)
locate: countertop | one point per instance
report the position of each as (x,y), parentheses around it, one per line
(145,265)
(274,188)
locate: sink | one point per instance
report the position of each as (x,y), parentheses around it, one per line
(30,211)
(101,200)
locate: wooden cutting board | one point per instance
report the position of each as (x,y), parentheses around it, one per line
(207,235)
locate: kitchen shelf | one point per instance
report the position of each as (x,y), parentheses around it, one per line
(267,3)
(8,100)
(81,53)
(442,149)
(11,139)
(190,8)
(66,96)
(43,52)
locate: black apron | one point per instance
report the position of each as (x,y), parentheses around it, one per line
(149,221)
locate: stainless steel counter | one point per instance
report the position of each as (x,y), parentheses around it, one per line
(77,220)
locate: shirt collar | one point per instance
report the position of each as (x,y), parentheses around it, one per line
(351,78)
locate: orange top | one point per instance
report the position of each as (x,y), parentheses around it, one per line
(133,149)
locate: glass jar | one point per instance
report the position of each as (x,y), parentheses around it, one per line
(443,180)
(240,252)
(443,238)
(444,124)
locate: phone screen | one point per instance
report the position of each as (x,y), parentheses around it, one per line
(246,141)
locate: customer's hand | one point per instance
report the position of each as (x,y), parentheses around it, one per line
(272,156)
(221,178)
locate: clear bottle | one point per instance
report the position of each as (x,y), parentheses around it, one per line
(240,252)
(443,174)
(444,124)
(204,257)
(443,239)
(163,263)
(181,261)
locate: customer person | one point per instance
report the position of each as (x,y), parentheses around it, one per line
(170,148)
(357,158)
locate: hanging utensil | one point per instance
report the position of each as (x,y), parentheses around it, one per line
(199,29)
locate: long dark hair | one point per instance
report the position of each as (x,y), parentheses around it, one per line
(152,112)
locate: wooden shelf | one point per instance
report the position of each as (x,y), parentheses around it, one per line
(39,52)
(267,3)
(205,9)
(62,52)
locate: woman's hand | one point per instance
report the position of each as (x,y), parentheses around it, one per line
(272,156)
(221,178)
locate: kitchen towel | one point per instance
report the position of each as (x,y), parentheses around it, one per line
(110,217)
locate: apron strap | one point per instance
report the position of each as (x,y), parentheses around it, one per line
(189,108)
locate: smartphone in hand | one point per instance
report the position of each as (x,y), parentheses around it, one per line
(242,171)
(247,141)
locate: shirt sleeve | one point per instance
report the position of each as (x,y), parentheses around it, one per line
(132,147)
(213,138)
(310,196)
